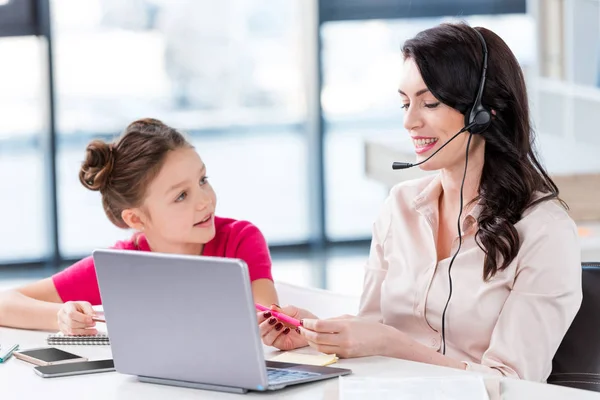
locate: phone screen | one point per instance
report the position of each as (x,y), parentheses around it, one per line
(50,354)
(85,366)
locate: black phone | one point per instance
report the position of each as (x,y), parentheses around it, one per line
(48,356)
(78,368)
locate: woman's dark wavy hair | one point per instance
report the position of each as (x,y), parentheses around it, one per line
(450,58)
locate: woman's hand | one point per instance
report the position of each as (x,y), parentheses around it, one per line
(279,334)
(347,336)
(75,318)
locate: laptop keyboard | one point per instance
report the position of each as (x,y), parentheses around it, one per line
(278,376)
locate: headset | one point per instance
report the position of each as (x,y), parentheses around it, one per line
(477,119)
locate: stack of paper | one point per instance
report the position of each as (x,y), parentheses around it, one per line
(438,388)
(308,359)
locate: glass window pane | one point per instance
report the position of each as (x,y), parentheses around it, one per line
(568,102)
(228,73)
(22,101)
(361,104)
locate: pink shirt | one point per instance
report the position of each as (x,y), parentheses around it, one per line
(511,325)
(233,239)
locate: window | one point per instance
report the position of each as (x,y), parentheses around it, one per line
(22,172)
(568,100)
(228,73)
(236,75)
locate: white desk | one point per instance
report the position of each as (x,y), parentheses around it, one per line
(18,380)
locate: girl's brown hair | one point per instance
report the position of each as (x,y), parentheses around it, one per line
(122,170)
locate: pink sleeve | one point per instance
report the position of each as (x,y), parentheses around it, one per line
(252,248)
(79,282)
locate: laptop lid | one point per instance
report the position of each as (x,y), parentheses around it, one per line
(185,318)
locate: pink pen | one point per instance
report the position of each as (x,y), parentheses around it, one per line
(280,316)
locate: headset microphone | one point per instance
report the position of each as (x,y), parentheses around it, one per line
(405,165)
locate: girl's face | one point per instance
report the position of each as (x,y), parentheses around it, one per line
(180,203)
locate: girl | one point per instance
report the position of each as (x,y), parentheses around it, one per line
(152,181)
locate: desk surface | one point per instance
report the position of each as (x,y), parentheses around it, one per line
(18,380)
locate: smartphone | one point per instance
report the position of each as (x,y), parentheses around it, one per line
(48,356)
(78,368)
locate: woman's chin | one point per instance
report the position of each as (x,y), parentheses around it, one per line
(430,165)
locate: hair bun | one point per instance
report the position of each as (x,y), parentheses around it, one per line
(98,165)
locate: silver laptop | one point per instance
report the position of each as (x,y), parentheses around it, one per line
(189,321)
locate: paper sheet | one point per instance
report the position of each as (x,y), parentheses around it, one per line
(438,388)
(308,359)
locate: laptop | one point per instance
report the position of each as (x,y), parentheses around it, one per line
(189,321)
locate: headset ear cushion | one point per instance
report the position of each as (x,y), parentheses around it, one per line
(481,117)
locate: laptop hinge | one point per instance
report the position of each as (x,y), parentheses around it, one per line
(193,385)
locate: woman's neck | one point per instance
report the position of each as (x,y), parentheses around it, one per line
(451,180)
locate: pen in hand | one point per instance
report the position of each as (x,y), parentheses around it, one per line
(280,316)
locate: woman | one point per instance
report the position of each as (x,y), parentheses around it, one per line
(152,181)
(516,281)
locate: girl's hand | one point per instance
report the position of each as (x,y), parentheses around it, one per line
(75,318)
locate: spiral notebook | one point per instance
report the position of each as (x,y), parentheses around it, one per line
(62,339)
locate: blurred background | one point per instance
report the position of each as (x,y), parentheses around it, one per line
(292,104)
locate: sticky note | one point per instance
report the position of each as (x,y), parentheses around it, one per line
(307,359)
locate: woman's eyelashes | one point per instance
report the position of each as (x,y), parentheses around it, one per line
(405,106)
(203,180)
